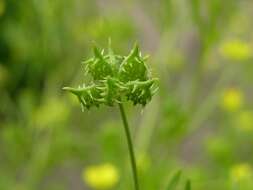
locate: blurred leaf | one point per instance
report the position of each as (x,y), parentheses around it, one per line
(188,185)
(195,9)
(174,181)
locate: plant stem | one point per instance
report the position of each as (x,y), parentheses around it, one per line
(130,146)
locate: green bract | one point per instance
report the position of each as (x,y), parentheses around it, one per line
(116,79)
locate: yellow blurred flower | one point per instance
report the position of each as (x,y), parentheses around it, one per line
(245,120)
(2,7)
(232,99)
(236,50)
(241,172)
(101,177)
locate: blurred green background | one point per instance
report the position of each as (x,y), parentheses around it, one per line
(200,121)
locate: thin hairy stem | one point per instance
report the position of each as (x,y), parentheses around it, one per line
(130,146)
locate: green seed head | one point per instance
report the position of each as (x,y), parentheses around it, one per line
(116,79)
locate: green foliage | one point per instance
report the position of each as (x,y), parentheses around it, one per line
(174,181)
(188,185)
(116,79)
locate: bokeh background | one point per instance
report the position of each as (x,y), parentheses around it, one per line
(200,121)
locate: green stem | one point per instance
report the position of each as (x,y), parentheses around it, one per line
(130,146)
